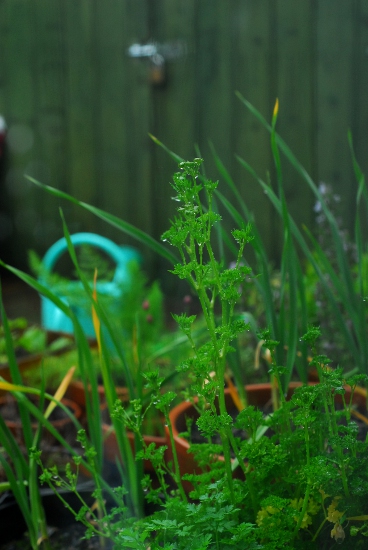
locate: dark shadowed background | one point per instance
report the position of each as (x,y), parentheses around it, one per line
(79,106)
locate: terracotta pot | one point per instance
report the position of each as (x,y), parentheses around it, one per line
(60,422)
(111,450)
(76,393)
(258,395)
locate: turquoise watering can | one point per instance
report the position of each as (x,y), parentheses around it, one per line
(52,318)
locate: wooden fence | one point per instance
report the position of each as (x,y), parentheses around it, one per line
(79,108)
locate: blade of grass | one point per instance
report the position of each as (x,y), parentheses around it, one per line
(18,393)
(262,282)
(133,471)
(310,256)
(18,482)
(60,392)
(116,222)
(103,318)
(86,368)
(288,319)
(362,194)
(341,256)
(173,155)
(14,372)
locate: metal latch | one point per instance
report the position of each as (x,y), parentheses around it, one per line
(157,55)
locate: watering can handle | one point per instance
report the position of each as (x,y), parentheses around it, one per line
(122,255)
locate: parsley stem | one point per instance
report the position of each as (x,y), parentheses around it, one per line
(339,449)
(246,472)
(319,529)
(307,492)
(177,475)
(304,509)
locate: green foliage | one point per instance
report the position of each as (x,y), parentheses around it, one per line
(336,281)
(20,468)
(304,469)
(297,475)
(99,521)
(28,339)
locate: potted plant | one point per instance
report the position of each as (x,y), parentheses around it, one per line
(144,343)
(20,488)
(304,462)
(31,344)
(19,468)
(109,349)
(297,480)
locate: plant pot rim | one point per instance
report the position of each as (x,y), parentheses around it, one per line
(265,387)
(185,406)
(159,439)
(76,392)
(111,450)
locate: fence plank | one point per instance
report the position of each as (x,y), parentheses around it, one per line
(84,108)
(173,119)
(360,105)
(295,89)
(335,96)
(4,32)
(122,156)
(49,165)
(252,77)
(81,99)
(138,113)
(215,93)
(19,104)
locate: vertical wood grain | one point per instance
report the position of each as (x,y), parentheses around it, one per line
(86,108)
(335,97)
(20,109)
(50,162)
(252,77)
(294,86)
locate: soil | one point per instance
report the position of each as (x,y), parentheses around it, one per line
(9,409)
(62,423)
(65,533)
(67,538)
